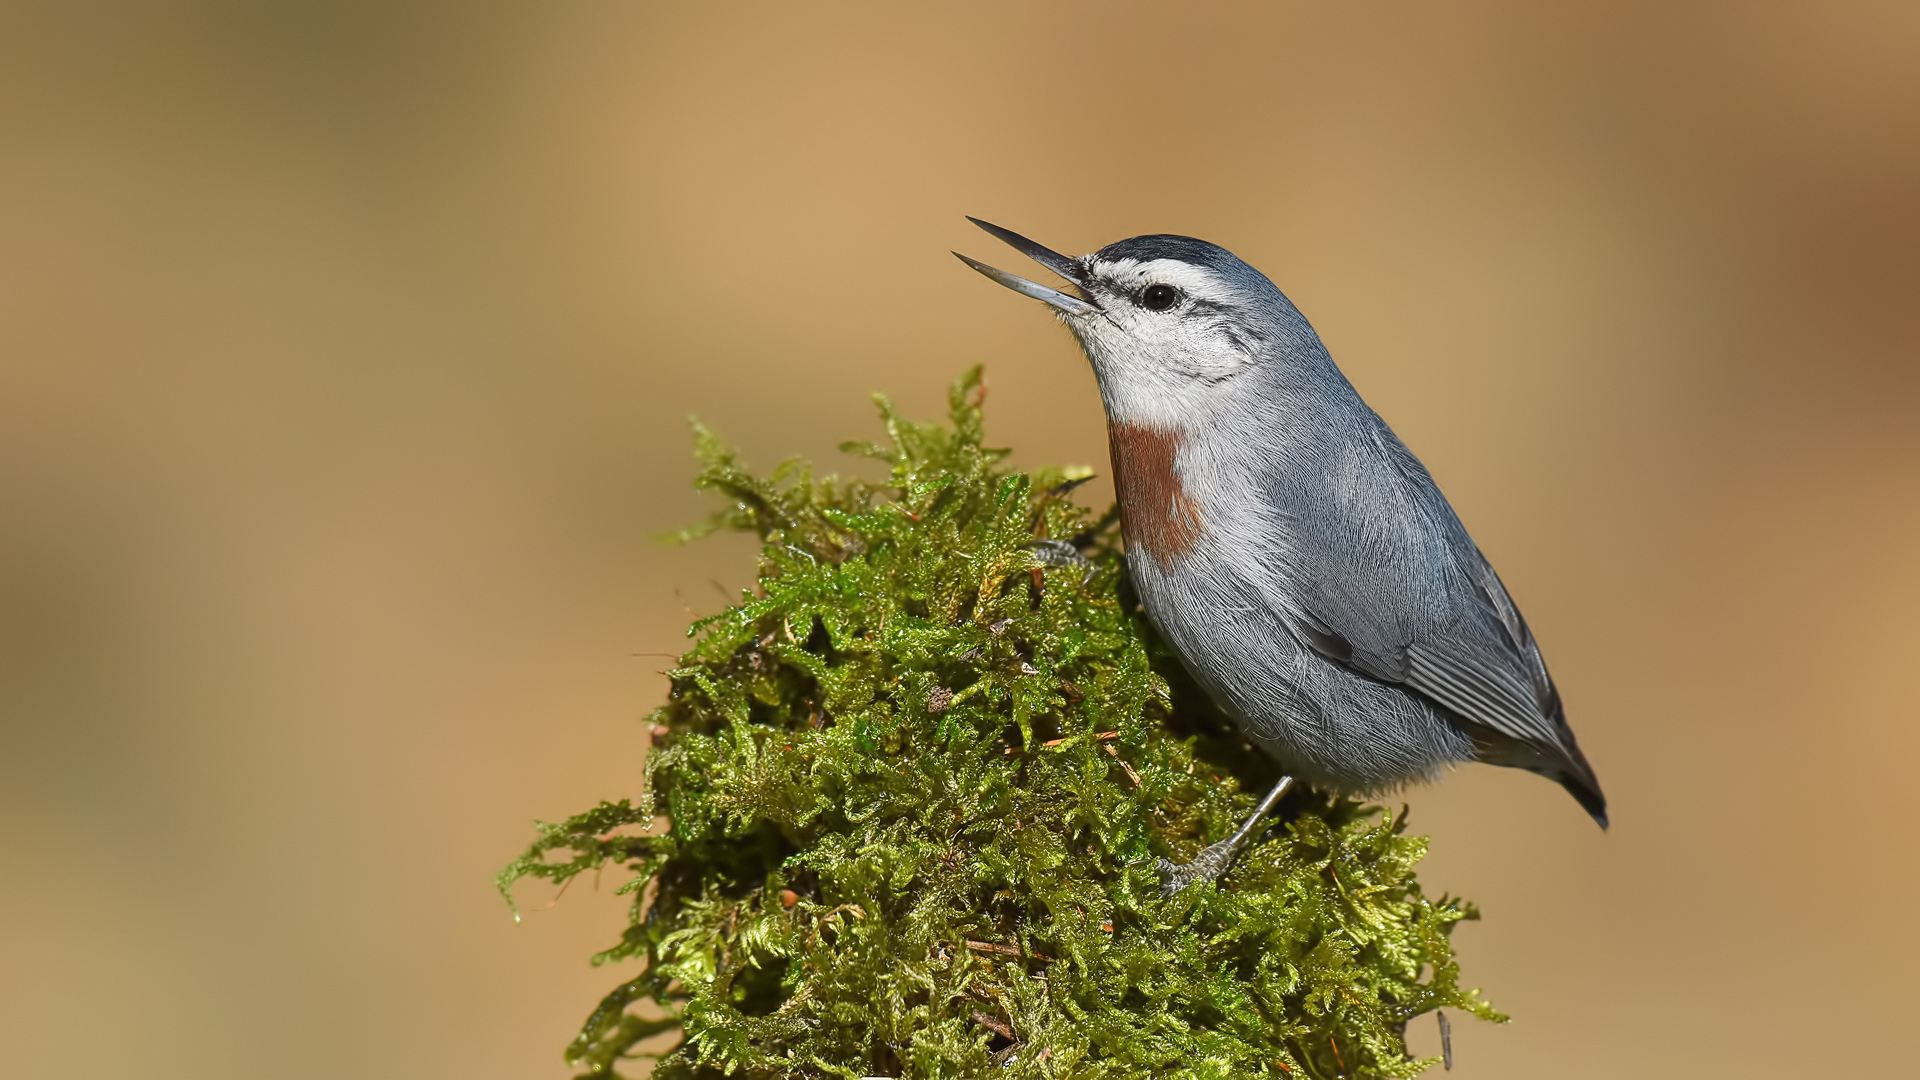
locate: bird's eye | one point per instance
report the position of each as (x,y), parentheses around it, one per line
(1158,297)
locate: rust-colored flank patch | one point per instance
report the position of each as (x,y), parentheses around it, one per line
(1156,514)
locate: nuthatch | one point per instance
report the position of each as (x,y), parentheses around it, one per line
(1292,551)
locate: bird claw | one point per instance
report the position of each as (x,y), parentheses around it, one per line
(1208,867)
(1060,555)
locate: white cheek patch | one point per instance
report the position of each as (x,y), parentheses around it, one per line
(1165,369)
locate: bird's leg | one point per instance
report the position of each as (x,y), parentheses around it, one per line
(1213,861)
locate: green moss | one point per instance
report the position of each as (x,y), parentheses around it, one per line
(916,782)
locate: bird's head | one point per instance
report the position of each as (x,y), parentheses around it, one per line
(1170,324)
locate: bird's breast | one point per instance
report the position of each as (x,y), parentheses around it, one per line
(1157,515)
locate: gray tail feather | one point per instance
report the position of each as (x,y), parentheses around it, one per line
(1576,775)
(1584,787)
(1563,764)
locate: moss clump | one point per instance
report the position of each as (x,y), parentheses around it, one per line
(915,784)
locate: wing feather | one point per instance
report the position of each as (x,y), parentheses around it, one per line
(1399,592)
(1479,692)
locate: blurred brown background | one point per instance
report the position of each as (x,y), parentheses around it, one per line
(344,356)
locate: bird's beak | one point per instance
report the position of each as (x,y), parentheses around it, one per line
(1047,257)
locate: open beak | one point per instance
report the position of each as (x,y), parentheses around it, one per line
(1047,257)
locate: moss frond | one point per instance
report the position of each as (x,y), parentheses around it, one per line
(914,784)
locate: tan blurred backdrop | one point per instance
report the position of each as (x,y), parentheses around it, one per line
(345,351)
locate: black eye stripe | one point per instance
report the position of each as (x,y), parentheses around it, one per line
(1158,297)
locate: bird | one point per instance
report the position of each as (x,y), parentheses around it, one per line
(1293,553)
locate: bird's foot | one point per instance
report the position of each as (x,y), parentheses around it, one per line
(1207,867)
(1062,555)
(1213,862)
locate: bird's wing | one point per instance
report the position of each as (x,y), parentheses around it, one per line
(1375,572)
(1390,585)
(1464,662)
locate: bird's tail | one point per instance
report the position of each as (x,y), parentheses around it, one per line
(1583,786)
(1562,763)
